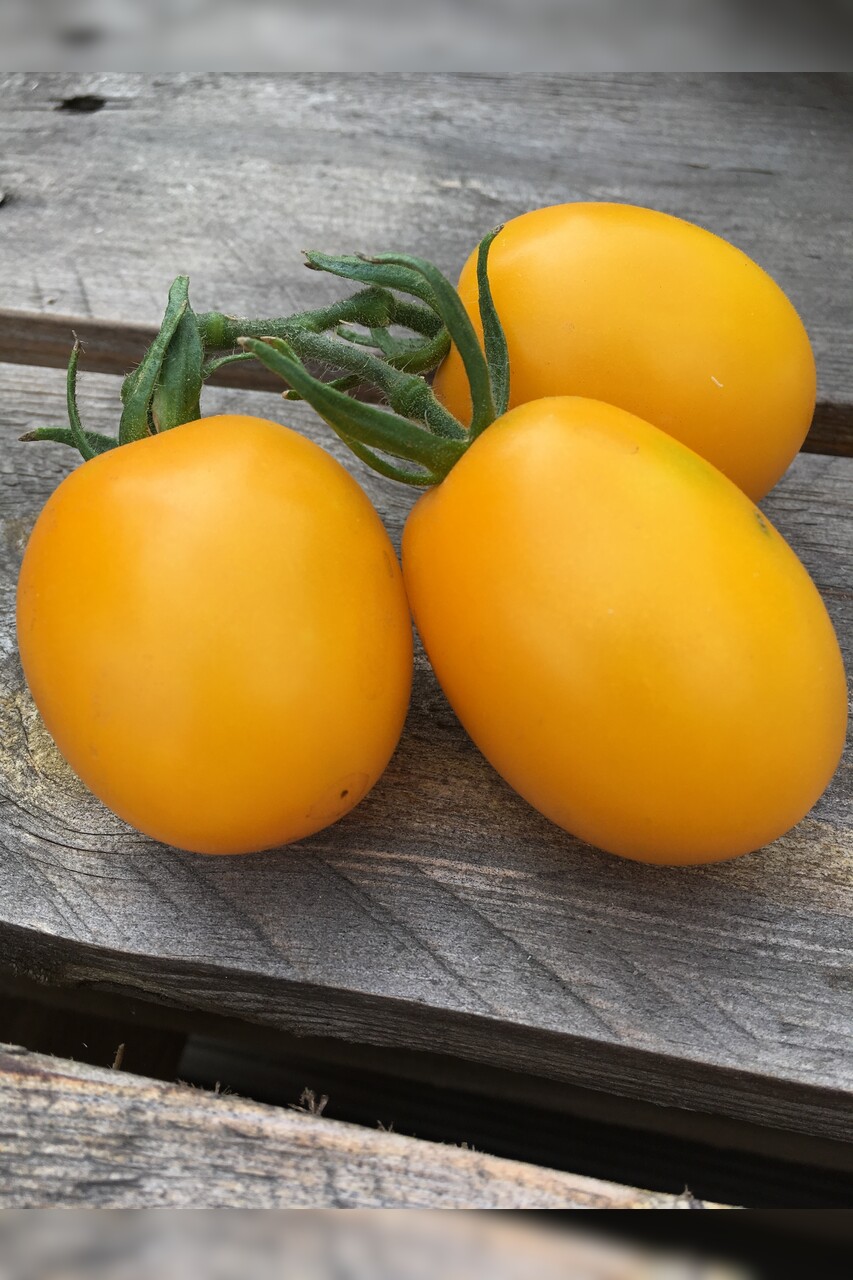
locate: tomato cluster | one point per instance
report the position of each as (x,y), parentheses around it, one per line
(618,627)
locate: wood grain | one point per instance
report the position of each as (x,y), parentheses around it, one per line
(227,178)
(74,1135)
(33,338)
(444,913)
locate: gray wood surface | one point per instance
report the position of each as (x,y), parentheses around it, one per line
(444,913)
(228,178)
(74,1135)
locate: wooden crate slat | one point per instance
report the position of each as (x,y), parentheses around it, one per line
(229,178)
(444,913)
(81,1136)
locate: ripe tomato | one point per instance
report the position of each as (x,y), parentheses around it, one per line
(654,315)
(213,624)
(624,635)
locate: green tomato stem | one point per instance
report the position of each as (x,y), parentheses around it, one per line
(424,434)
(494,338)
(78,435)
(384,275)
(88,443)
(163,391)
(450,308)
(233,357)
(139,388)
(97,443)
(408,395)
(373,308)
(418,479)
(370,427)
(177,392)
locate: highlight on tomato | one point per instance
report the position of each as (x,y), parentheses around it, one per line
(621,631)
(654,315)
(212,619)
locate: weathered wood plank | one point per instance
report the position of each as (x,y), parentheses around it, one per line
(229,177)
(73,1135)
(33,338)
(444,913)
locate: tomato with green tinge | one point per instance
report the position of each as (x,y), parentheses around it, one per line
(625,636)
(654,315)
(213,625)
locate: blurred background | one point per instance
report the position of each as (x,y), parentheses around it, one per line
(403,35)
(136,1245)
(152,1244)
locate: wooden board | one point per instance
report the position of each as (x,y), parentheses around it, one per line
(444,913)
(74,1135)
(229,177)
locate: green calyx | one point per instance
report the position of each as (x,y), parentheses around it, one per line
(164,390)
(420,441)
(411,437)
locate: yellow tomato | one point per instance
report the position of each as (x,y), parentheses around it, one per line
(654,315)
(213,624)
(625,636)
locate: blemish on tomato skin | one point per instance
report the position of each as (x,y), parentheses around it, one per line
(340,798)
(762,523)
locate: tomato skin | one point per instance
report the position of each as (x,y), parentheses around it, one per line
(626,638)
(657,316)
(213,625)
